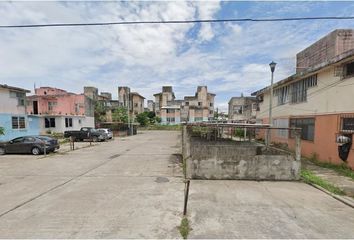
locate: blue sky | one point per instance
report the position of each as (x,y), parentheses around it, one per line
(230,58)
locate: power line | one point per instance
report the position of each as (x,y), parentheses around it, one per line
(177,22)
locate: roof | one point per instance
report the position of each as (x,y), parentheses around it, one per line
(247,97)
(137,94)
(297,76)
(14,88)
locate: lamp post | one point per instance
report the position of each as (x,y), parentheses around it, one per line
(272,68)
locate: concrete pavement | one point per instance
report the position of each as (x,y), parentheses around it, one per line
(250,209)
(128,188)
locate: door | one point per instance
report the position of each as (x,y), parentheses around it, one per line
(28,143)
(35,107)
(15,146)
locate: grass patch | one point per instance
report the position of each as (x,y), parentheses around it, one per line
(342,169)
(309,177)
(184,228)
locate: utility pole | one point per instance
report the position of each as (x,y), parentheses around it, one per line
(272,68)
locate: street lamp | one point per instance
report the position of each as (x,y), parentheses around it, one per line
(272,68)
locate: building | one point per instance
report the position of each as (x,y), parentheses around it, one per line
(199,107)
(167,107)
(150,106)
(132,101)
(13,116)
(59,110)
(319,100)
(242,108)
(91,92)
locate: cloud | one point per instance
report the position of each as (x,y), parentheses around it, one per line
(231,58)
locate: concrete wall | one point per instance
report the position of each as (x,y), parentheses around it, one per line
(9,104)
(227,159)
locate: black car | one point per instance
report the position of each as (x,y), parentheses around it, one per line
(30,144)
(84,134)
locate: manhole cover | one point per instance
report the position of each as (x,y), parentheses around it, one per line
(161,179)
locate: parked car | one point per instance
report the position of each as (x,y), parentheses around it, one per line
(85,133)
(107,131)
(30,144)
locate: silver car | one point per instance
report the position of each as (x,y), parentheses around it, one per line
(106,132)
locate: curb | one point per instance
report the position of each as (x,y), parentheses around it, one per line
(344,199)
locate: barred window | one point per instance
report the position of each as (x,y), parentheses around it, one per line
(307,126)
(18,122)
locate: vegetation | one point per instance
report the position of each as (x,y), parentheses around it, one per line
(311,178)
(2,131)
(184,228)
(163,127)
(100,112)
(120,114)
(342,169)
(147,118)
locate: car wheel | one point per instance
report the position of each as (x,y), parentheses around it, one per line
(36,151)
(2,151)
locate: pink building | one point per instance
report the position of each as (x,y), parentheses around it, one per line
(61,110)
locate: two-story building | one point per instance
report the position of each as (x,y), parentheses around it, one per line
(197,108)
(13,117)
(132,101)
(60,110)
(318,99)
(242,109)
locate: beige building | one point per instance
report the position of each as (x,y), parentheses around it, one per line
(197,108)
(133,101)
(319,100)
(242,108)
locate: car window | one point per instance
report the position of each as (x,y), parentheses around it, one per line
(84,129)
(29,139)
(17,140)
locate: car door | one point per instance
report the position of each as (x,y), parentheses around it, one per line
(15,145)
(28,143)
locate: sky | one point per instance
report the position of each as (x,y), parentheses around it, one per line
(230,58)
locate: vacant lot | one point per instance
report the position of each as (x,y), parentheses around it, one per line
(133,187)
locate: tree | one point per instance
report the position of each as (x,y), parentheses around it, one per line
(120,115)
(100,112)
(2,131)
(143,119)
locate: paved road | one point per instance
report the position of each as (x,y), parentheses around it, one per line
(130,187)
(133,188)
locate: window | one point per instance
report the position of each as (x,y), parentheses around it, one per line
(77,108)
(187,103)
(211,112)
(211,104)
(199,104)
(68,122)
(170,110)
(79,121)
(295,92)
(281,123)
(170,119)
(18,122)
(51,105)
(17,140)
(237,109)
(49,122)
(29,139)
(20,97)
(349,69)
(135,105)
(307,126)
(347,124)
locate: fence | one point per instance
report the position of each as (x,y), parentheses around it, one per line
(238,151)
